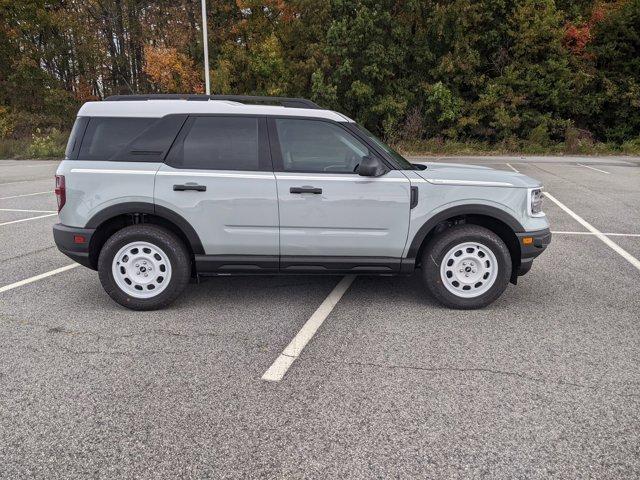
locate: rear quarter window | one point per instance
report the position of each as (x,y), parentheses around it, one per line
(106,136)
(73,144)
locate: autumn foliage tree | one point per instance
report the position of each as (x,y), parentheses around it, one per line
(528,72)
(170,71)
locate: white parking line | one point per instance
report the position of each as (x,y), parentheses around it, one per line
(608,234)
(28,181)
(27,195)
(43,165)
(28,219)
(22,164)
(511,167)
(610,243)
(276,371)
(22,210)
(593,168)
(26,281)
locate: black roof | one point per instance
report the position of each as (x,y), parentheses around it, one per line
(283,101)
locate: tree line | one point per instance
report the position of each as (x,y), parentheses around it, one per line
(498,72)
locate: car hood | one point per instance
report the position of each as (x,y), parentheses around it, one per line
(473,175)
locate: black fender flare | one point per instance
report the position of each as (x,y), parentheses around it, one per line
(472,209)
(152,209)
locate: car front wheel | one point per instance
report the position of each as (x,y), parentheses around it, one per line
(466,267)
(144,267)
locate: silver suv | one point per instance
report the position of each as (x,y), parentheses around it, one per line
(156,190)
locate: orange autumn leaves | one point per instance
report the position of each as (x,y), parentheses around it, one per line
(171,71)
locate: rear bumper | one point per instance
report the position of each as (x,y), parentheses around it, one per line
(530,249)
(74,242)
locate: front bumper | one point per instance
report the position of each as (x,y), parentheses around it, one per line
(532,244)
(74,242)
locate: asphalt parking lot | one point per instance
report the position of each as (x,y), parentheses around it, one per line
(545,383)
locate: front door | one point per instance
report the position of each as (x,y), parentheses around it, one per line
(218,177)
(331,218)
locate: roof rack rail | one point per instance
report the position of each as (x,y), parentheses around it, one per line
(283,101)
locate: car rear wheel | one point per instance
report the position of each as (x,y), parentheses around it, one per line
(466,267)
(144,267)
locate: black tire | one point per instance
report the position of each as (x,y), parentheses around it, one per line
(433,256)
(166,240)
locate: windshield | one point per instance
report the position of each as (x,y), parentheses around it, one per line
(403,163)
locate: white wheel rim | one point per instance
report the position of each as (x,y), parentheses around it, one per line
(141,269)
(469,269)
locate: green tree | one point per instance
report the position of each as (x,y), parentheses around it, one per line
(615,93)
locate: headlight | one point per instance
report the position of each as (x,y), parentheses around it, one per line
(535,202)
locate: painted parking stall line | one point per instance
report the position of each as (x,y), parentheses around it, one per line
(34,180)
(29,280)
(606,240)
(279,368)
(608,234)
(23,210)
(23,164)
(26,195)
(512,167)
(593,168)
(28,219)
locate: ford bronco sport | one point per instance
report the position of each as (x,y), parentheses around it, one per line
(156,190)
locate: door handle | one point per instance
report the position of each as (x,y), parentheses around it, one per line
(314,190)
(190,186)
(413,203)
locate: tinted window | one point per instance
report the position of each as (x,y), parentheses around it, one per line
(73,144)
(106,136)
(316,146)
(218,143)
(152,144)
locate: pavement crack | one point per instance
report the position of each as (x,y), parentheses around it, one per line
(32,252)
(490,371)
(59,330)
(115,352)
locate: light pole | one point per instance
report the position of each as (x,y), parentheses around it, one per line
(205,43)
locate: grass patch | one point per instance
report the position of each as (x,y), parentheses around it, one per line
(39,145)
(13,148)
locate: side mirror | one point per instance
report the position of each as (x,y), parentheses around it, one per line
(371,167)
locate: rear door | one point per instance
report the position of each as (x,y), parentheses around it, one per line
(218,176)
(331,218)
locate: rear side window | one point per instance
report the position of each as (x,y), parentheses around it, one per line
(220,143)
(106,136)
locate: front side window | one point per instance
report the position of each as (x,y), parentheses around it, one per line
(218,143)
(318,147)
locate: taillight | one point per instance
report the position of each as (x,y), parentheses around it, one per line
(60,191)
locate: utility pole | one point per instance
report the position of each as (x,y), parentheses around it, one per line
(205,44)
